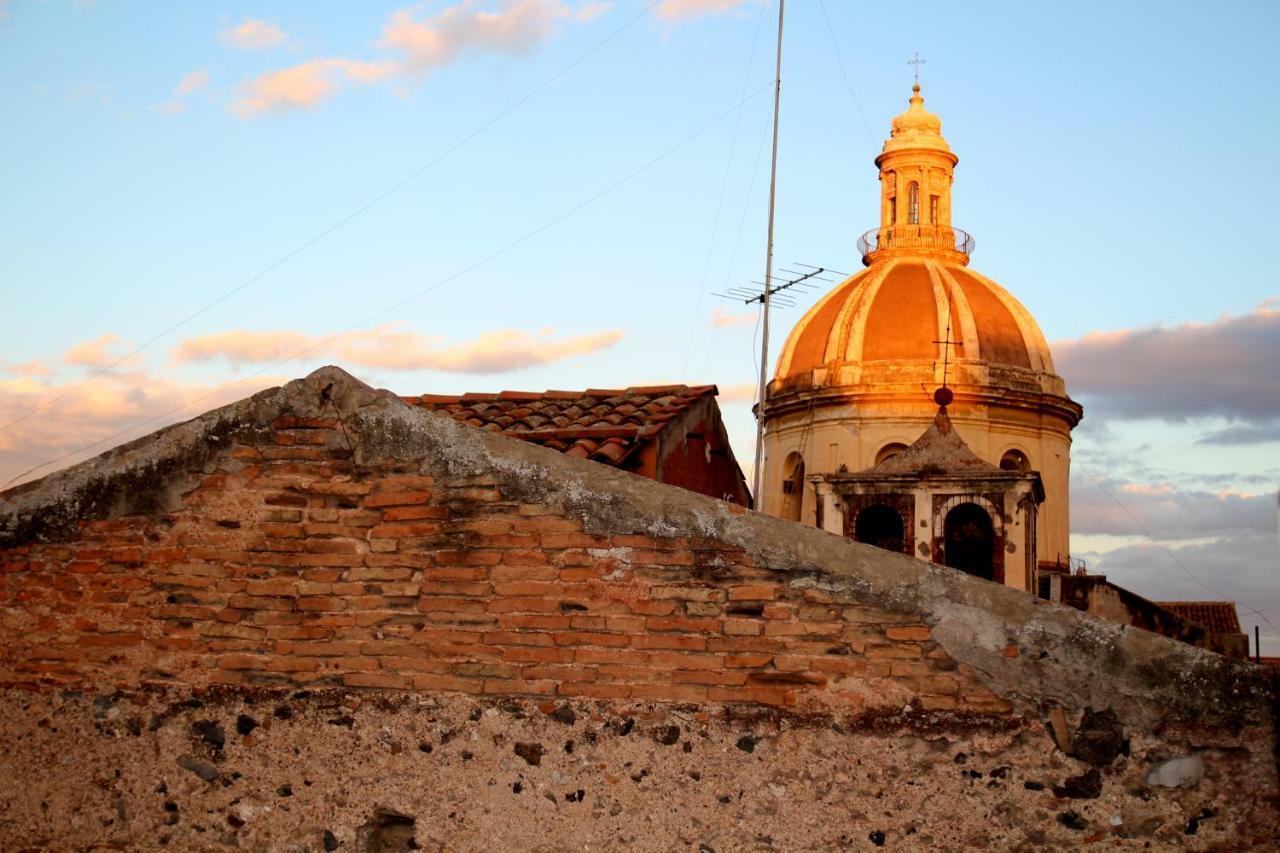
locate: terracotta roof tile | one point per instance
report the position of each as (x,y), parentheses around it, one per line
(607,425)
(1218,616)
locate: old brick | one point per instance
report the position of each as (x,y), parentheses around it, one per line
(687,593)
(742,627)
(679,623)
(907,632)
(585,638)
(397,498)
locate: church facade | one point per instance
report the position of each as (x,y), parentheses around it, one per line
(855,380)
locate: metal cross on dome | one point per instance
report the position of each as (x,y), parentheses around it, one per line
(917,62)
(947,343)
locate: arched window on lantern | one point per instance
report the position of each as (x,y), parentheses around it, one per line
(913,203)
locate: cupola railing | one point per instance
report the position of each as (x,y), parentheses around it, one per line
(910,237)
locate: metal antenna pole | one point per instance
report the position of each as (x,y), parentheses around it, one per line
(758,473)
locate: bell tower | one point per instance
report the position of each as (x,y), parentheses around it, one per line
(916,170)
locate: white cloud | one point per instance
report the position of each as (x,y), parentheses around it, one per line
(253,35)
(681,10)
(420,43)
(393,348)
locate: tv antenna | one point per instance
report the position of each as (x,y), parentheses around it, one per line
(765,296)
(778,294)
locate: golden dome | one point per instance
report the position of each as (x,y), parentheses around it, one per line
(892,320)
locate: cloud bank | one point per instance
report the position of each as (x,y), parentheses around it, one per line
(1226,368)
(1166,511)
(115,401)
(391,347)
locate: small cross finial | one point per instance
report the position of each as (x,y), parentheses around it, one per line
(917,62)
(947,343)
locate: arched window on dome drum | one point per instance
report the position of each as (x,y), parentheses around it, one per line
(793,488)
(969,539)
(889,451)
(913,203)
(933,210)
(1015,460)
(881,526)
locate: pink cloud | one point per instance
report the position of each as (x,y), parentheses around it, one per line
(393,348)
(680,10)
(726,320)
(95,353)
(305,85)
(253,35)
(35,367)
(421,43)
(110,410)
(520,27)
(743,393)
(193,82)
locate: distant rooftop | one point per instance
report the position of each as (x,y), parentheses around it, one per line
(1218,616)
(604,425)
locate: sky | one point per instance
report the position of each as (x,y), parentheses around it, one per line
(201,201)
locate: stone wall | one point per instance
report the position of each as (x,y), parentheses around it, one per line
(325,537)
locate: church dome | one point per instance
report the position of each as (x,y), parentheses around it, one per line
(856,378)
(913,312)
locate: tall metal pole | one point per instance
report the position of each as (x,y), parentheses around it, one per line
(758,473)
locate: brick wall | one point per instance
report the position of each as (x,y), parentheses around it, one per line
(293,565)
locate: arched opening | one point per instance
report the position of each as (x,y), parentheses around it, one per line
(793,488)
(1015,460)
(933,210)
(913,203)
(881,526)
(889,451)
(970,541)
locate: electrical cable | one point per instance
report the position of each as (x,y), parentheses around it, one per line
(843,73)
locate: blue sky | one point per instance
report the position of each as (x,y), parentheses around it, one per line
(1117,168)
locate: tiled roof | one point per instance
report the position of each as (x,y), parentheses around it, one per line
(1218,616)
(606,425)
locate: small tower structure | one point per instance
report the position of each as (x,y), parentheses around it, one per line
(939,501)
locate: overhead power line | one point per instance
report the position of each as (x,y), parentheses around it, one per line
(344,221)
(416,296)
(845,74)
